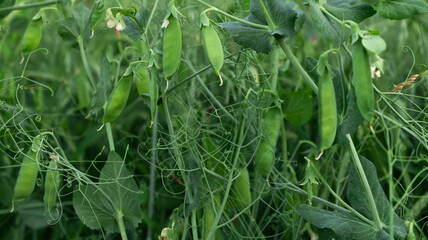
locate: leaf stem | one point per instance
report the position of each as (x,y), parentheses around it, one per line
(268,19)
(119,216)
(361,173)
(110,137)
(212,8)
(339,198)
(296,64)
(31,5)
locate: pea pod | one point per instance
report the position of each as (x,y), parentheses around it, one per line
(213,48)
(172,46)
(142,80)
(363,81)
(118,98)
(32,36)
(209,216)
(52,183)
(265,152)
(327,110)
(241,189)
(27,176)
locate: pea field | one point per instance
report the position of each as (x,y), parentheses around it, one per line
(214,119)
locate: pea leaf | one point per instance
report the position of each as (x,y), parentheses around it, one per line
(281,12)
(359,201)
(400,9)
(297,107)
(345,225)
(352,120)
(135,27)
(356,13)
(374,43)
(116,195)
(250,37)
(285,15)
(323,24)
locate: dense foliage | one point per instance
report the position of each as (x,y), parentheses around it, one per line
(223,119)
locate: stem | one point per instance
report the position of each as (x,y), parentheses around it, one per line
(339,198)
(31,5)
(332,16)
(110,137)
(296,64)
(212,8)
(266,14)
(369,194)
(239,142)
(122,230)
(152,174)
(85,62)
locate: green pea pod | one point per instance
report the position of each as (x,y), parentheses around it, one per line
(142,80)
(52,183)
(363,81)
(32,36)
(118,98)
(154,92)
(327,110)
(265,152)
(241,189)
(27,176)
(172,46)
(213,47)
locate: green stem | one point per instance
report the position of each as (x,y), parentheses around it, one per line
(31,5)
(119,216)
(266,14)
(237,151)
(110,137)
(212,8)
(339,198)
(296,64)
(332,16)
(361,173)
(85,62)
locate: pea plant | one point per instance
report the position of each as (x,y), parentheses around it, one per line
(193,119)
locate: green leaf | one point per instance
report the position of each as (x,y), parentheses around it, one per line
(359,201)
(4,4)
(285,15)
(250,37)
(297,107)
(135,29)
(356,13)
(99,96)
(323,24)
(352,120)
(116,194)
(374,43)
(281,13)
(400,9)
(346,225)
(68,29)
